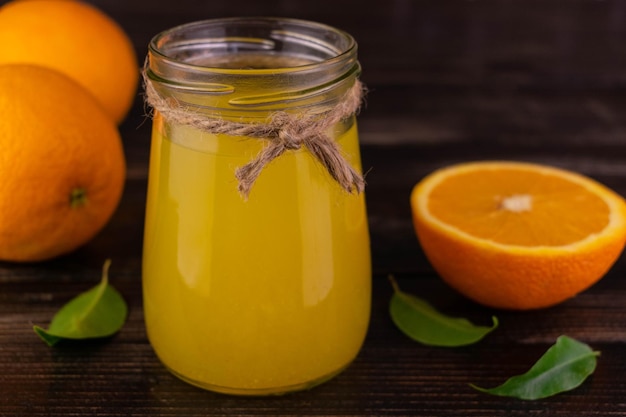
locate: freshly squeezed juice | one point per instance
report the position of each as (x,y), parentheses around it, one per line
(256,296)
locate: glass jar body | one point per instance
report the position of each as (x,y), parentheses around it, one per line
(255,296)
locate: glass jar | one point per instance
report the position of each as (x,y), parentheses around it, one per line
(255,282)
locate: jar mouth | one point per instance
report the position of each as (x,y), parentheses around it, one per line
(212,44)
(256,61)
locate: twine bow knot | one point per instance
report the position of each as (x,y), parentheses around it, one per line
(283,131)
(289,134)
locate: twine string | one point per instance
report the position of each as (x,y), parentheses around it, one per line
(283,132)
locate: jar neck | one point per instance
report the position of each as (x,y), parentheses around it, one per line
(252,66)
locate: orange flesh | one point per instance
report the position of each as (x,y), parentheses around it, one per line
(517,207)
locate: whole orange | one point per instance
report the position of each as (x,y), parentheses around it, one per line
(518,235)
(62,164)
(76,39)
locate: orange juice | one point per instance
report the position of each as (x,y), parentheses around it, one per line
(263,292)
(260,296)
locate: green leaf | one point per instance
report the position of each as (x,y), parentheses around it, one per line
(98,312)
(563,367)
(423,323)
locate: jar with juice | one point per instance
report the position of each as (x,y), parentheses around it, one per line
(265,290)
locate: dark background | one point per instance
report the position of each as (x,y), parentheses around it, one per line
(449,81)
(509,63)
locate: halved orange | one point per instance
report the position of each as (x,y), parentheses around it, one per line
(516,235)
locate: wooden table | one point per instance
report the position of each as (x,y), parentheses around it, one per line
(449,81)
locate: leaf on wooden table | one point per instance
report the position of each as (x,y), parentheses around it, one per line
(563,367)
(98,312)
(423,323)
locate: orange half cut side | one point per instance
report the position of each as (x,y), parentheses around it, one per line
(518,235)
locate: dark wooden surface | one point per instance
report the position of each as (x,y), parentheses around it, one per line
(449,81)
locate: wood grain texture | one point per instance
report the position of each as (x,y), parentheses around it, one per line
(449,81)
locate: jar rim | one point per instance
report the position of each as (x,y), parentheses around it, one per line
(158,43)
(252,52)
